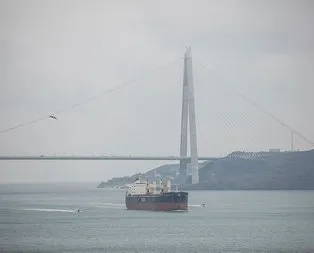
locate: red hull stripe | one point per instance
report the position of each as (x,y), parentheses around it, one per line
(157,206)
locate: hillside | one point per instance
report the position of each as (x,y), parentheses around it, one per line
(244,171)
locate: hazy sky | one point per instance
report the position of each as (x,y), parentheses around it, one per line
(54,54)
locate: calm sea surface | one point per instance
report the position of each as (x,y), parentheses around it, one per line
(40,218)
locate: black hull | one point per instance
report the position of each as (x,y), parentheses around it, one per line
(170,201)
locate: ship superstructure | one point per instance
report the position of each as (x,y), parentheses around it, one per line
(141,195)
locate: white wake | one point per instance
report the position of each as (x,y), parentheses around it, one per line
(50,210)
(107,205)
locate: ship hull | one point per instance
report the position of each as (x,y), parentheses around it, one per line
(171,201)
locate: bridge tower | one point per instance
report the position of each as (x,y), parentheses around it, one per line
(188,113)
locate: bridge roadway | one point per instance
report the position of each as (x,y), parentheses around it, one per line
(106,157)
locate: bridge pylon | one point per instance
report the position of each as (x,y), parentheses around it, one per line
(188,114)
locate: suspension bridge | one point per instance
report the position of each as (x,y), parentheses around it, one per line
(188,122)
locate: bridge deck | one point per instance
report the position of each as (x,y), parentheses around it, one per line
(147,158)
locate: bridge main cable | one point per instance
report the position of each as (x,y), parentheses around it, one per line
(88,100)
(222,81)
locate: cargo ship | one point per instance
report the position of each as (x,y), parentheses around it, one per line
(155,197)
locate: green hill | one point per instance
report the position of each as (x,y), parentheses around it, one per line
(244,171)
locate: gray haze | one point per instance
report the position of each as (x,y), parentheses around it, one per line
(54,54)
